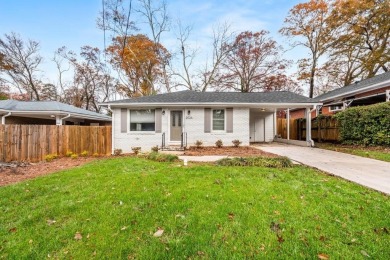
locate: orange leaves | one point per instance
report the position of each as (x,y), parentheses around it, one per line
(141,60)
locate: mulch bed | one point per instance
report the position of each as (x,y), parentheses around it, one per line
(229,151)
(27,171)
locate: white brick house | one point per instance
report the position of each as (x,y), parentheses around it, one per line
(182,118)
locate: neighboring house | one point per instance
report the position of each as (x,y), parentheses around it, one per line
(365,92)
(182,118)
(48,113)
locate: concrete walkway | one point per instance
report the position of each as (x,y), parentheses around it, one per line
(371,173)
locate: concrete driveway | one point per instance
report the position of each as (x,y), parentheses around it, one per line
(367,172)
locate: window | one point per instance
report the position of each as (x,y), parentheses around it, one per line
(142,120)
(218,120)
(335,107)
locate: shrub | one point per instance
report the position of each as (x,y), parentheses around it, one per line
(198,143)
(162,157)
(367,125)
(236,143)
(117,152)
(68,153)
(49,157)
(84,154)
(95,155)
(278,162)
(136,149)
(74,156)
(155,149)
(219,143)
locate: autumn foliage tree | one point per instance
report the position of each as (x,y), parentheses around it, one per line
(252,63)
(141,62)
(307,24)
(363,34)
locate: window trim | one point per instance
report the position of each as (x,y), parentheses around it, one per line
(337,109)
(224,120)
(140,132)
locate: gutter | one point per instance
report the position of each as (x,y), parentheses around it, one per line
(3,118)
(213,104)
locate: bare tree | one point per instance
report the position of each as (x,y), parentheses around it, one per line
(92,82)
(23,60)
(209,75)
(159,22)
(253,63)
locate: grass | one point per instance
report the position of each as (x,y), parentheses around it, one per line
(378,153)
(111,208)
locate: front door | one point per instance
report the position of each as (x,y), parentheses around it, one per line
(176,125)
(257,130)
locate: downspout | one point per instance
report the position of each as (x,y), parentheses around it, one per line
(3,118)
(65,117)
(309,126)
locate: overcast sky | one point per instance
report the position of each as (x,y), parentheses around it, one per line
(72,23)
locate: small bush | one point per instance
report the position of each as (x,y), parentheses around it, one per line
(278,162)
(162,157)
(84,154)
(136,149)
(155,149)
(117,152)
(219,143)
(50,157)
(198,143)
(68,153)
(74,156)
(95,155)
(236,143)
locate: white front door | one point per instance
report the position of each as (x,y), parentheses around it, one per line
(257,130)
(176,127)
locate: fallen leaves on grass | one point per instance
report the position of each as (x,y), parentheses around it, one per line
(158,233)
(231,216)
(12,230)
(364,253)
(50,221)
(78,236)
(275,227)
(323,256)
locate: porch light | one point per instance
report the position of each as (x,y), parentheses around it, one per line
(262,110)
(189,112)
(163,112)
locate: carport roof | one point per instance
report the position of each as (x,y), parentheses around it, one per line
(194,97)
(49,107)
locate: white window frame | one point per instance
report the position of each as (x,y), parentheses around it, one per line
(224,120)
(337,109)
(141,132)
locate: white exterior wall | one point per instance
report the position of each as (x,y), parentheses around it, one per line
(195,128)
(193,125)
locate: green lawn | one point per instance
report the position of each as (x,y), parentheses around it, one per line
(378,153)
(206,211)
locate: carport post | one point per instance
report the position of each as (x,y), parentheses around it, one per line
(308,125)
(288,124)
(275,124)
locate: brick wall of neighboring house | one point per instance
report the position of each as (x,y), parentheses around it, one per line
(376,91)
(193,125)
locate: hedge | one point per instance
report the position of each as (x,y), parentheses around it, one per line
(367,125)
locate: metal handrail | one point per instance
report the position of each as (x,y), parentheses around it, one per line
(163,141)
(183,140)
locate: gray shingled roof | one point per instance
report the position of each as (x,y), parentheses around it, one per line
(48,106)
(219,97)
(354,87)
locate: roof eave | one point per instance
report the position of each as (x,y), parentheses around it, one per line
(212,104)
(357,91)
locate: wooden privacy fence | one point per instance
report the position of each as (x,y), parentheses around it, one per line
(322,129)
(33,142)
